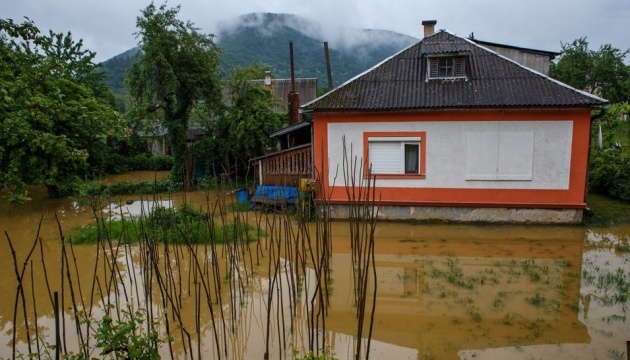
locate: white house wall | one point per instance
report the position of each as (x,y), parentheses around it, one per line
(447,163)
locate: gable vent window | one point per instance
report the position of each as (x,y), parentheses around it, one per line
(447,67)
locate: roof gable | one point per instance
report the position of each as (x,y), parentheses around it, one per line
(492,80)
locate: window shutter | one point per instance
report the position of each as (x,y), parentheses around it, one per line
(458,64)
(386,157)
(433,67)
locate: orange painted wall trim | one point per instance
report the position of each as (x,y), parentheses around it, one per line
(573,197)
(467,198)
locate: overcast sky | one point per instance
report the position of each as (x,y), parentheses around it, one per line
(107,26)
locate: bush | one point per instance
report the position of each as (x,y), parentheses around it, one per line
(610,174)
(182,226)
(90,189)
(140,188)
(118,163)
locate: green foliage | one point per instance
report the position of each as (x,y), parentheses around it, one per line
(90,189)
(139,188)
(610,174)
(119,163)
(325,354)
(615,126)
(537,299)
(602,72)
(126,338)
(174,71)
(56,114)
(181,226)
(116,69)
(241,131)
(129,337)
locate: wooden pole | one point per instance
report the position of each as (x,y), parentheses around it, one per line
(57,338)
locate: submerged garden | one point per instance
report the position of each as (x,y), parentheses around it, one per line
(113,251)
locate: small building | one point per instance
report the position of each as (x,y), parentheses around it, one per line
(451,130)
(279,172)
(538,60)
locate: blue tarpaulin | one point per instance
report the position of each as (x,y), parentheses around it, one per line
(272,194)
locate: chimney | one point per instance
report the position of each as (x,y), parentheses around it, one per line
(267,81)
(429,27)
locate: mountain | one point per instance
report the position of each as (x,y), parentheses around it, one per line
(264,38)
(116,70)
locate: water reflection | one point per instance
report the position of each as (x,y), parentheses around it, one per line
(443,291)
(445,288)
(134,208)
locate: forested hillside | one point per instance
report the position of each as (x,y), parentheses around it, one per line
(116,68)
(264,38)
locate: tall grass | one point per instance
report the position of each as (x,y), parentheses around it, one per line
(191,272)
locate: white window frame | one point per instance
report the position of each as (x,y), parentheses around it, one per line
(393,163)
(458,67)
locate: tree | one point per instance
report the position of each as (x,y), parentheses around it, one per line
(601,72)
(174,71)
(56,114)
(242,131)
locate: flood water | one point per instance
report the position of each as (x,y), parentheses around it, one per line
(444,291)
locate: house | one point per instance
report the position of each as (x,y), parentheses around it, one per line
(454,131)
(155,136)
(280,88)
(538,60)
(292,160)
(280,172)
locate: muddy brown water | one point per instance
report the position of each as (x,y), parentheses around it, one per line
(444,291)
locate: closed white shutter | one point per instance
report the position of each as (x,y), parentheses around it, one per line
(386,157)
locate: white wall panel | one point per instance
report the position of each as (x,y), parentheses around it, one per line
(446,152)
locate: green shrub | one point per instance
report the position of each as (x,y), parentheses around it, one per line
(325,354)
(144,162)
(182,226)
(610,174)
(110,230)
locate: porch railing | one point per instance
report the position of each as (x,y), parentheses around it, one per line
(285,167)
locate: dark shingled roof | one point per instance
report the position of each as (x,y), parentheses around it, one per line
(399,83)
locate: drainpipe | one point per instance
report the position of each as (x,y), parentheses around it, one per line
(594,118)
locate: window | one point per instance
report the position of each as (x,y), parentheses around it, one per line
(444,67)
(395,154)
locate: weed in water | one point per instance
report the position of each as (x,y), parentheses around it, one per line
(534,327)
(508,318)
(555,305)
(616,354)
(325,354)
(498,300)
(537,299)
(474,314)
(534,276)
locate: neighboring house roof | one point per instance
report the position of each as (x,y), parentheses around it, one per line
(290,128)
(551,54)
(400,82)
(157,130)
(305,87)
